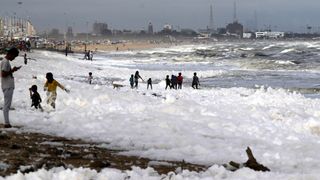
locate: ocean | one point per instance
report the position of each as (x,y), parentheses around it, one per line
(290,65)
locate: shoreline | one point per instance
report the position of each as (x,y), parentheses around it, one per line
(25,151)
(110,47)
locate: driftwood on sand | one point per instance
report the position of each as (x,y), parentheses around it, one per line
(251,163)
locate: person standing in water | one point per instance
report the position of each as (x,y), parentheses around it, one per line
(90,78)
(51,87)
(195,81)
(149,83)
(168,82)
(174,81)
(136,79)
(179,80)
(131,80)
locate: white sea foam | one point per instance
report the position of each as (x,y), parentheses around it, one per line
(287,50)
(207,126)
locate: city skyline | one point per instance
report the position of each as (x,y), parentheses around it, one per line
(125,14)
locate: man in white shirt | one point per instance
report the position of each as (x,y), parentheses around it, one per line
(7,82)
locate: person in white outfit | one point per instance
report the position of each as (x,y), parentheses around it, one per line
(7,82)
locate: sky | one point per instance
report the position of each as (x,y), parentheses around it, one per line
(284,15)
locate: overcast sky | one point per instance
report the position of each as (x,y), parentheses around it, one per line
(284,15)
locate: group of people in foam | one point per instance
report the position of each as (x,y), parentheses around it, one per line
(8,85)
(174,83)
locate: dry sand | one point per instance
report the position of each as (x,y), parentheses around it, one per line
(126,46)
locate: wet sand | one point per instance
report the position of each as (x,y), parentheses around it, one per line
(25,151)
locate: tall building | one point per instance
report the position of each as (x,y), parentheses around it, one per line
(15,27)
(31,31)
(101,29)
(235,28)
(150,28)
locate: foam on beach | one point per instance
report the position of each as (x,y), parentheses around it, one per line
(207,126)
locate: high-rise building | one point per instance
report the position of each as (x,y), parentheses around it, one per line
(150,28)
(101,29)
(31,31)
(235,28)
(16,27)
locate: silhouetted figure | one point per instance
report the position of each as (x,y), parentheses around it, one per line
(90,78)
(85,55)
(195,81)
(131,80)
(149,83)
(136,79)
(179,81)
(174,81)
(25,58)
(168,82)
(66,50)
(35,97)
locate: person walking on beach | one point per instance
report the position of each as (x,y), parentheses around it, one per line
(136,79)
(131,80)
(35,97)
(195,81)
(7,82)
(179,80)
(51,87)
(168,82)
(149,83)
(90,78)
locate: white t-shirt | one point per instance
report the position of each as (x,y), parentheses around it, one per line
(6,82)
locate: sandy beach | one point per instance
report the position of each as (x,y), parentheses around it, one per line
(119,46)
